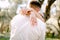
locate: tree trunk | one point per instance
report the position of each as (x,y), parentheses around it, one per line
(47,12)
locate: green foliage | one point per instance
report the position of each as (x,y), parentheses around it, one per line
(3,38)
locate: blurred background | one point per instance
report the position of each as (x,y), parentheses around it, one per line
(50,9)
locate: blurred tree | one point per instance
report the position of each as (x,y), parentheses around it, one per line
(19,1)
(16,1)
(58,11)
(41,1)
(47,12)
(54,20)
(59,21)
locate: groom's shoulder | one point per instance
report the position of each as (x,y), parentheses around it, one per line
(18,16)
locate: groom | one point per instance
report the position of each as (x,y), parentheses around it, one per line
(26,26)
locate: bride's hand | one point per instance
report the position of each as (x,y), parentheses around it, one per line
(25,11)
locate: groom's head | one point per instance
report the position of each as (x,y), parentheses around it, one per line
(35,5)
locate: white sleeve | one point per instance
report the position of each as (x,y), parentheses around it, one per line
(14,25)
(43,30)
(42,36)
(13,29)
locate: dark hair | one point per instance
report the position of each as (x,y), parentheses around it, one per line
(35,3)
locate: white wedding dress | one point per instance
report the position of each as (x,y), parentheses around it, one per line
(21,29)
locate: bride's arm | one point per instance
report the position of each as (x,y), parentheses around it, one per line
(40,16)
(24,11)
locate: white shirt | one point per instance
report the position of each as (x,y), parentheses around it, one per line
(22,30)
